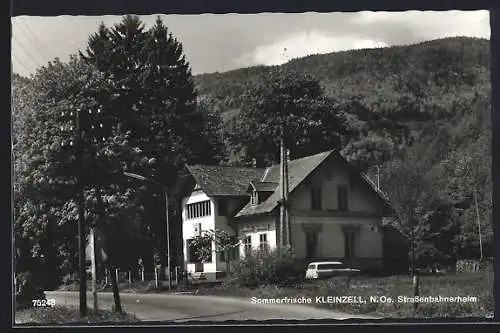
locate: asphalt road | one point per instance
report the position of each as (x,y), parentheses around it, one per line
(187,307)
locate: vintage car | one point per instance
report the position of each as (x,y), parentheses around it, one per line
(326,269)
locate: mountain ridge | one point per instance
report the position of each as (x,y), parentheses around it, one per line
(357,74)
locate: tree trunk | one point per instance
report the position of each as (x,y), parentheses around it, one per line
(478,224)
(114,283)
(416,289)
(282,195)
(412,253)
(106,256)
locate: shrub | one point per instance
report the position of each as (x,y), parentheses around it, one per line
(27,291)
(70,278)
(278,266)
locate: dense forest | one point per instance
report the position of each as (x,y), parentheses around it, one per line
(416,117)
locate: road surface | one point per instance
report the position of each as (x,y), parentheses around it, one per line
(187,307)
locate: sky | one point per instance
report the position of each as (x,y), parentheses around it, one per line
(222,42)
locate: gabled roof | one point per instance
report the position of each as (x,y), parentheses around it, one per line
(298,170)
(237,181)
(263,186)
(224,180)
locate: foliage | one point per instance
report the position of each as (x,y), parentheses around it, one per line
(26,290)
(420,214)
(141,83)
(278,266)
(210,241)
(286,105)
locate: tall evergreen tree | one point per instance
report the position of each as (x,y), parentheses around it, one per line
(152,99)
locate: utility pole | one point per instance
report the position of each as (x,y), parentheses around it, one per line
(169,254)
(282,193)
(81,216)
(93,250)
(167,222)
(80,144)
(288,226)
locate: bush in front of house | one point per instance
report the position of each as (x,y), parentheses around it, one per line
(278,266)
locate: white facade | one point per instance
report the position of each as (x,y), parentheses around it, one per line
(326,231)
(328,223)
(213,221)
(189,226)
(331,240)
(264,226)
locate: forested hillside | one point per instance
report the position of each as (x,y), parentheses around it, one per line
(376,77)
(436,93)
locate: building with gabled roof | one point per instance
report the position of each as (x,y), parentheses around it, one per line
(335,212)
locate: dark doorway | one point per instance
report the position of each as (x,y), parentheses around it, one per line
(311,244)
(349,245)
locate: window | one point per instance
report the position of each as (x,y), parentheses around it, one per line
(263,244)
(198,209)
(197,229)
(330,266)
(248,245)
(254,198)
(222,207)
(349,244)
(316,199)
(342,196)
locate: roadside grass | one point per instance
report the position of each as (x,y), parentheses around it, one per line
(70,315)
(479,285)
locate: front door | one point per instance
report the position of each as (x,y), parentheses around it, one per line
(311,244)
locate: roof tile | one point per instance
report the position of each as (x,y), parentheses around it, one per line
(224,180)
